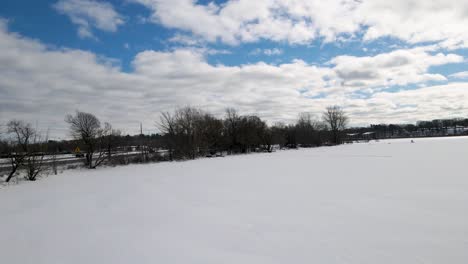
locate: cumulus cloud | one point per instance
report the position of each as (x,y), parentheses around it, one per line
(59,81)
(400,67)
(248,21)
(300,22)
(89,14)
(417,21)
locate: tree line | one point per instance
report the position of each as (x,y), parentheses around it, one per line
(436,127)
(185,133)
(189,133)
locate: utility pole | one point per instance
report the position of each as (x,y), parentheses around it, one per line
(142,145)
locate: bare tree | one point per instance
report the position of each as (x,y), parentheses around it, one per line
(210,133)
(109,138)
(167,125)
(251,133)
(336,119)
(231,123)
(279,134)
(267,139)
(190,132)
(86,127)
(309,130)
(17,153)
(35,159)
(104,145)
(187,120)
(27,149)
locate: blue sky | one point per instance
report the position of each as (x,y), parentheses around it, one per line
(40,21)
(267,57)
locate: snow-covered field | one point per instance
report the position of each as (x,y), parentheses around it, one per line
(385,202)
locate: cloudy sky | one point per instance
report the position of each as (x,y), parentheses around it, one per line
(128,60)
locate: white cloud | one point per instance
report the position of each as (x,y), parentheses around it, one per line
(460,75)
(417,21)
(442,101)
(267,52)
(400,67)
(89,14)
(272,52)
(186,40)
(299,21)
(194,44)
(59,81)
(248,21)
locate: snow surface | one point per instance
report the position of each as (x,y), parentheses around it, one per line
(385,202)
